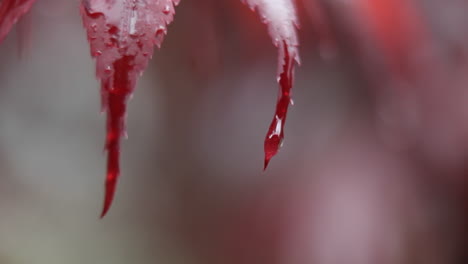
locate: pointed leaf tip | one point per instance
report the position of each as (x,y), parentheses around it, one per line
(275,135)
(108,197)
(122,35)
(113,171)
(281,19)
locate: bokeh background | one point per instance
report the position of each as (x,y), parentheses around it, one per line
(372,169)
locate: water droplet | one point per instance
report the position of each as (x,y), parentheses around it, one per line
(133,21)
(167,9)
(113,30)
(159,35)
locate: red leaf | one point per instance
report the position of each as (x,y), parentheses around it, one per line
(10,12)
(122,35)
(281,19)
(275,135)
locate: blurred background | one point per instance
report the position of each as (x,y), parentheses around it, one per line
(372,169)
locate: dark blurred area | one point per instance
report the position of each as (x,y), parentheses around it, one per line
(372,171)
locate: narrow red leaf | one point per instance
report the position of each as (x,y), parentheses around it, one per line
(280,17)
(122,35)
(10,12)
(275,135)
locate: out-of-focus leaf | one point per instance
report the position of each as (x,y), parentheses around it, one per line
(320,23)
(10,12)
(399,31)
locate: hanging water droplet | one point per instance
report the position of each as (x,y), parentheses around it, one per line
(167,9)
(160,32)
